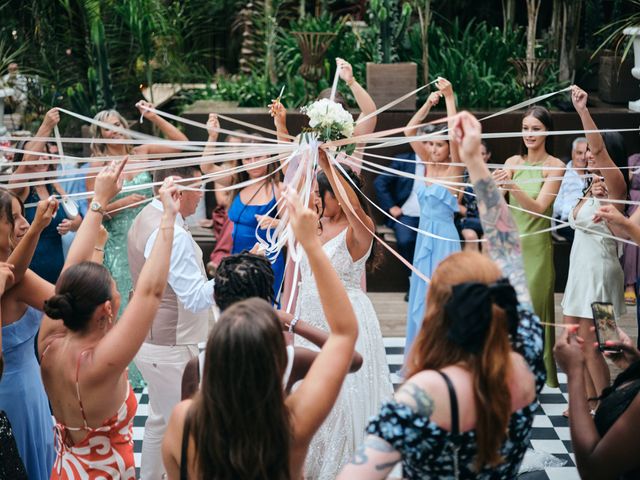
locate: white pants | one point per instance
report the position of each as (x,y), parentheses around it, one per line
(162,368)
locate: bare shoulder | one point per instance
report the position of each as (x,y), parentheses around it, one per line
(513,161)
(421,391)
(554,162)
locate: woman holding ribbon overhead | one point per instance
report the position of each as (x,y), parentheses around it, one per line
(437,206)
(595,272)
(467,408)
(533,180)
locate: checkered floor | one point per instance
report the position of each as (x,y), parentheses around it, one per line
(550,428)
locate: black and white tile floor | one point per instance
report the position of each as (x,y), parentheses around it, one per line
(550,428)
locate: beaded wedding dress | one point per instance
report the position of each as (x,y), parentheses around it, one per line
(362,392)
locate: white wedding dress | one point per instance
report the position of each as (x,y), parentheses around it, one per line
(362,392)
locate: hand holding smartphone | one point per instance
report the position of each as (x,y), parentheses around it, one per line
(606,328)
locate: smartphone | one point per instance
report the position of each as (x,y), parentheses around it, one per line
(605,322)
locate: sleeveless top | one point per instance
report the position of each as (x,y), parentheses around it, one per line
(105,451)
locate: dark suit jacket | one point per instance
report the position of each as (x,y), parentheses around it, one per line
(393,190)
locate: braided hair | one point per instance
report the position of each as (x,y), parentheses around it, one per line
(241,276)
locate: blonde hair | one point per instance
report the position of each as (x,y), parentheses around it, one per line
(100,149)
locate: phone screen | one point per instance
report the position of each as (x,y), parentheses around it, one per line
(605,323)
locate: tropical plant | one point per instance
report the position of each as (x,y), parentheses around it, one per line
(614,30)
(390,18)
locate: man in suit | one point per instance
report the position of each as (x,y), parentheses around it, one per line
(397,196)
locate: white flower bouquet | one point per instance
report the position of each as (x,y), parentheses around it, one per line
(330,121)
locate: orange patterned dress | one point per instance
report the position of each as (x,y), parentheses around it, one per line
(105,452)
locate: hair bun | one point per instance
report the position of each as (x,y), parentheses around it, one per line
(59,307)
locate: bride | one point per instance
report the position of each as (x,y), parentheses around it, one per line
(348,242)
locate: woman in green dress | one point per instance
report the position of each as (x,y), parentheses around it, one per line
(534,189)
(123,209)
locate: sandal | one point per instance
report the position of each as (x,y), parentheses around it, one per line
(629,298)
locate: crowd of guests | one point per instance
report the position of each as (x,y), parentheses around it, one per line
(277,395)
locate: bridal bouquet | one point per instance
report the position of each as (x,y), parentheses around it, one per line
(330,121)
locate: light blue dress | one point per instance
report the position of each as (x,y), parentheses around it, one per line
(23,398)
(437,207)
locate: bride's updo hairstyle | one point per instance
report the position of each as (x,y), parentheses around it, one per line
(239,420)
(79,291)
(464,324)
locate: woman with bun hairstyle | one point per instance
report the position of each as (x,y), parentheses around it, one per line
(84,360)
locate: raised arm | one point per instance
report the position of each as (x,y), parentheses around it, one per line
(108,184)
(311,403)
(613,177)
(168,130)
(365,103)
(22,255)
(500,229)
(117,349)
(213,124)
(419,146)
(361,225)
(446,89)
(51,119)
(279,115)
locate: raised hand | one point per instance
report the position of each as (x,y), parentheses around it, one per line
(143,107)
(434,98)
(599,188)
(52,118)
(278,113)
(466,132)
(6,275)
(345,70)
(213,125)
(303,221)
(45,211)
(444,86)
(170,197)
(109,181)
(579,98)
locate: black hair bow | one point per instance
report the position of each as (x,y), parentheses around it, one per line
(469,312)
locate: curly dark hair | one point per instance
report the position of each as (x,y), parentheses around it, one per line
(241,276)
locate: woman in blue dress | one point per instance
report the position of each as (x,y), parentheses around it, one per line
(437,207)
(254,204)
(22,395)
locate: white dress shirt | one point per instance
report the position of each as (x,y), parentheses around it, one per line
(570,192)
(185,271)
(411,206)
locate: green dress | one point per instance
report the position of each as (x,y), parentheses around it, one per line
(115,252)
(537,252)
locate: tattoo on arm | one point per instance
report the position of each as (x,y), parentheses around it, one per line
(376,445)
(502,236)
(416,398)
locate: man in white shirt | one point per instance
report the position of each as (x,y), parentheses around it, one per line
(571,188)
(183,317)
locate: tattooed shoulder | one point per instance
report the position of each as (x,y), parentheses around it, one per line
(416,398)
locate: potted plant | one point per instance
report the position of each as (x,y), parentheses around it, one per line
(387,81)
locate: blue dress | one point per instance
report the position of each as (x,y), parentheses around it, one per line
(23,398)
(244,233)
(48,258)
(437,207)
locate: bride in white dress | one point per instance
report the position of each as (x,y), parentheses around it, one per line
(349,245)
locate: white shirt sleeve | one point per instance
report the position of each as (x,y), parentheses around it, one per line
(185,276)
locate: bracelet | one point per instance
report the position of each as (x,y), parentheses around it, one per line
(293,323)
(99,249)
(170,227)
(353,80)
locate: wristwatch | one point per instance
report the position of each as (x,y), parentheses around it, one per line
(96,207)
